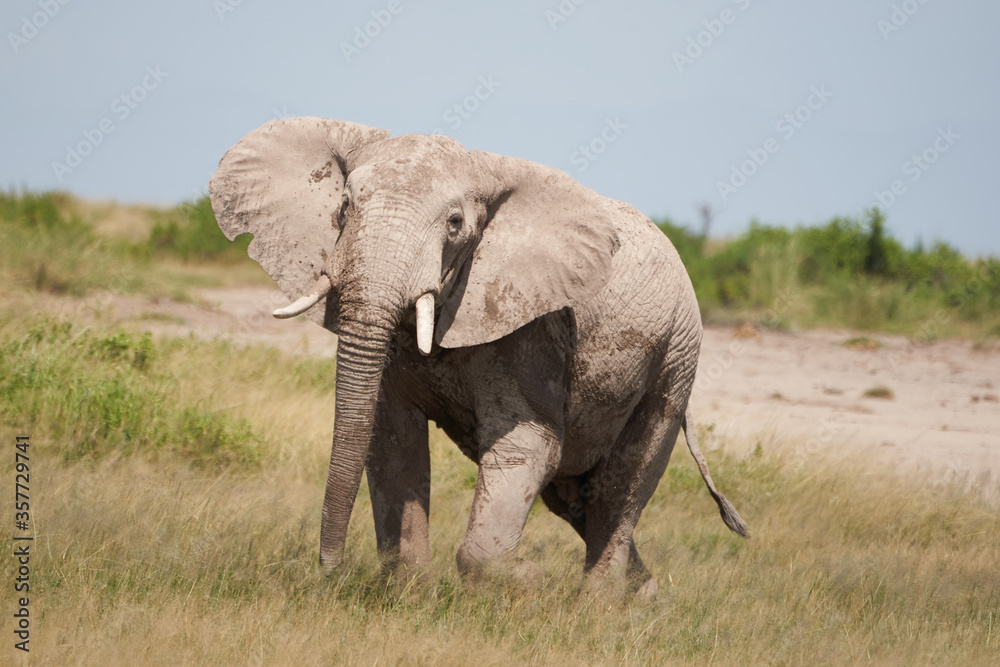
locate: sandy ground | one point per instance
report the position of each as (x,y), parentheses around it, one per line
(808,389)
(804,391)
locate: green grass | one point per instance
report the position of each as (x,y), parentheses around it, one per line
(847,273)
(46,246)
(43,249)
(176,486)
(101,394)
(189,231)
(863,343)
(880,392)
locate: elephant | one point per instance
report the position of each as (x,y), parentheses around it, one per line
(552,333)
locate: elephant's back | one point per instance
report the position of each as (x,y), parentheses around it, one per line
(648,293)
(644,322)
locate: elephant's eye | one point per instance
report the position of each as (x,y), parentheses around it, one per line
(341,217)
(454,223)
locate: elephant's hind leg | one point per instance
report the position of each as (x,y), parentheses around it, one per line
(620,487)
(563,497)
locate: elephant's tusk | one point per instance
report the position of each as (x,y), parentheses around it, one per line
(304,303)
(425,323)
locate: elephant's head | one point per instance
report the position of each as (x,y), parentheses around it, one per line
(365,231)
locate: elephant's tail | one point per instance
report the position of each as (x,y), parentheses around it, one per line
(726,509)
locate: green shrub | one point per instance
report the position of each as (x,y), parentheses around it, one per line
(849,273)
(190,231)
(123,346)
(98,395)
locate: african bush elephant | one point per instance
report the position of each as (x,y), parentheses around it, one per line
(551,332)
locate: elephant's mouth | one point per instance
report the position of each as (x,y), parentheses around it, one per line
(323,286)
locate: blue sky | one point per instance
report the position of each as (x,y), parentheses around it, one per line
(787,112)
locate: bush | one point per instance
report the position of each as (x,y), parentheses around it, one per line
(190,231)
(848,272)
(98,395)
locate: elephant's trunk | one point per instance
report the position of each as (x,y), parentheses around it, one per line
(372,297)
(361,355)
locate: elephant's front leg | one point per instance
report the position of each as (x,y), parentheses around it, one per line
(399,482)
(513,469)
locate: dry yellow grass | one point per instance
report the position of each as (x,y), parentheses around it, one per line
(110,218)
(156,562)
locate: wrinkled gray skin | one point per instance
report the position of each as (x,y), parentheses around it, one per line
(565,341)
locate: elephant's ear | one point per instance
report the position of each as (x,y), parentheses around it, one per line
(547,244)
(283,183)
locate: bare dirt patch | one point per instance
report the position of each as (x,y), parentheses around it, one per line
(926,408)
(241,315)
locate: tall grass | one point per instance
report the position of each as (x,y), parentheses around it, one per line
(96,394)
(42,248)
(113,392)
(160,542)
(161,563)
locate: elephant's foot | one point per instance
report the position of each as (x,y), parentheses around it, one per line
(409,576)
(622,579)
(610,589)
(515,572)
(648,589)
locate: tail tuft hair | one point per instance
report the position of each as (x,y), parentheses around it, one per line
(729,514)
